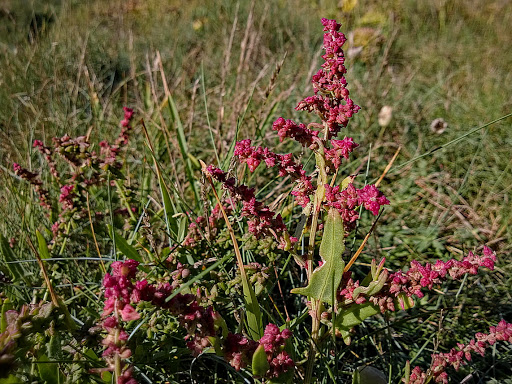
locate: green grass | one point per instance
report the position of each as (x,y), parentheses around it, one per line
(448,59)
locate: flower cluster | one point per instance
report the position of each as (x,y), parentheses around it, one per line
(119,292)
(331,100)
(238,350)
(289,129)
(199,322)
(66,196)
(406,284)
(29,319)
(455,357)
(87,169)
(110,152)
(340,148)
(32,178)
(202,324)
(347,200)
(253,156)
(47,152)
(206,226)
(262,221)
(74,150)
(273,342)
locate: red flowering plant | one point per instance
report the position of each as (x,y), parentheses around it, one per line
(336,301)
(195,294)
(78,170)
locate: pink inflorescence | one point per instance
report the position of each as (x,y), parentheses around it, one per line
(253,156)
(66,196)
(340,148)
(110,152)
(238,350)
(273,341)
(372,199)
(462,354)
(47,152)
(262,221)
(347,200)
(289,129)
(200,323)
(331,100)
(74,150)
(119,293)
(411,282)
(32,178)
(206,226)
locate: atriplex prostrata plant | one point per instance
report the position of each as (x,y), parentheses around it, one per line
(335,300)
(194,302)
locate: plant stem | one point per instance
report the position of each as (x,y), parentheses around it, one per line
(315,303)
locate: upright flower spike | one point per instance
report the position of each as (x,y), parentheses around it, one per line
(32,178)
(331,100)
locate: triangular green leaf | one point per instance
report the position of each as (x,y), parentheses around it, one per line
(326,279)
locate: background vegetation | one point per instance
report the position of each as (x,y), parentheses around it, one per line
(232,68)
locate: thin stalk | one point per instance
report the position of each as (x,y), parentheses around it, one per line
(94,235)
(315,303)
(253,310)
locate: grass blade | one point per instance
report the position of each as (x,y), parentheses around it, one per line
(169,207)
(43,246)
(18,273)
(182,141)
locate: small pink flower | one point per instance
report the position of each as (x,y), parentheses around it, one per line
(372,199)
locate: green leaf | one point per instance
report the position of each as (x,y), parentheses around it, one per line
(107,377)
(128,250)
(356,377)
(89,353)
(346,182)
(183,226)
(352,317)
(18,273)
(326,279)
(260,364)
(254,321)
(48,372)
(6,306)
(11,379)
(407,373)
(182,141)
(53,346)
(43,246)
